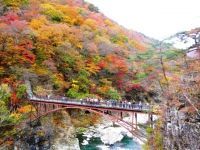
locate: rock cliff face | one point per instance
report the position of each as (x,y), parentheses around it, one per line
(182,132)
(64,134)
(54,132)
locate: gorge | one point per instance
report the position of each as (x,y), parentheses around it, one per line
(92,82)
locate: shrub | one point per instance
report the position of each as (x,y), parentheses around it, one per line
(54,14)
(21,90)
(113,94)
(93,8)
(15,3)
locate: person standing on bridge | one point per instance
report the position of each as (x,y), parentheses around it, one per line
(129,104)
(140,105)
(132,104)
(120,103)
(123,104)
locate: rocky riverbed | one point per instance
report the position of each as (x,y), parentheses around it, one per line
(107,135)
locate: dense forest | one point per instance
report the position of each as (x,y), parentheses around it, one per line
(69,48)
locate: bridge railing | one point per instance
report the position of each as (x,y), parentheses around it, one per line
(104,104)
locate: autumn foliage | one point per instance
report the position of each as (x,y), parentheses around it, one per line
(68,48)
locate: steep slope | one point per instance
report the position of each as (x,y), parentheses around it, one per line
(182,118)
(67,47)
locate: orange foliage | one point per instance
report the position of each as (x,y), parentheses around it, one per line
(116,62)
(26,109)
(92,67)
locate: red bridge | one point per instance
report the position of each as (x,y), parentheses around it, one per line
(114,111)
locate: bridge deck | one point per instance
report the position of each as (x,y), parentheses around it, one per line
(95,105)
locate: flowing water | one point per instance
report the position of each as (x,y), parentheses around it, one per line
(95,143)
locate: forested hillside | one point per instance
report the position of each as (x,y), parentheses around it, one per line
(67,47)
(70,47)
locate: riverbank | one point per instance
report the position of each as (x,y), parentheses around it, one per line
(107,135)
(57,132)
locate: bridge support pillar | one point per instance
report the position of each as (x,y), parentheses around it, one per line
(121,115)
(42,108)
(113,123)
(49,107)
(151,120)
(36,108)
(136,120)
(132,116)
(45,107)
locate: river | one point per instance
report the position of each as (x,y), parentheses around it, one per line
(95,143)
(105,136)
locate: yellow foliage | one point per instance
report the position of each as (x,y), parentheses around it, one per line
(37,23)
(75,86)
(91,23)
(54,34)
(5,87)
(137,45)
(103,89)
(71,15)
(68,11)
(79,45)
(17,116)
(108,22)
(92,68)
(52,11)
(100,39)
(15,3)
(74,81)
(41,91)
(40,71)
(68,20)
(58,80)
(1,70)
(156,109)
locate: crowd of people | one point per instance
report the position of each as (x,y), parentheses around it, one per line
(112,103)
(100,102)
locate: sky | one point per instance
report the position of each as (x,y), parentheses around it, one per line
(155,18)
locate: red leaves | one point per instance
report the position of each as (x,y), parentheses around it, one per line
(102,64)
(114,64)
(134,86)
(13,23)
(118,62)
(18,25)
(23,49)
(29,56)
(7,80)
(14,99)
(10,17)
